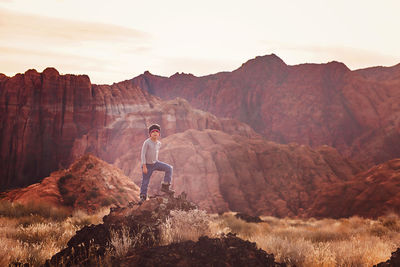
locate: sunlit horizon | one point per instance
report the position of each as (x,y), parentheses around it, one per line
(112,42)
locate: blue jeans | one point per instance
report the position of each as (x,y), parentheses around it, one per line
(158,166)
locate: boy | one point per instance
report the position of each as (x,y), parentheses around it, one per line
(150,163)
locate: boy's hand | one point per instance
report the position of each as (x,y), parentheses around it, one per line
(144,168)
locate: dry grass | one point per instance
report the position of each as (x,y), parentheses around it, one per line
(121,241)
(31,237)
(185,225)
(33,233)
(346,242)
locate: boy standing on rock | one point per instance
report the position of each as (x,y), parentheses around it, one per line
(151,147)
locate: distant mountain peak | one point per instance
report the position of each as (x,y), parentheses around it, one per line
(182,75)
(268,61)
(337,65)
(51,71)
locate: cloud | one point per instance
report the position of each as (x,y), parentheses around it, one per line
(104,52)
(11,57)
(54,30)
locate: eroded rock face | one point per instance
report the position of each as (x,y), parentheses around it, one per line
(89,184)
(42,114)
(226,251)
(369,194)
(222,172)
(49,120)
(120,142)
(357,112)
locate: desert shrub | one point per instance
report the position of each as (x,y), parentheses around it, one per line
(80,218)
(89,166)
(378,230)
(61,183)
(107,201)
(240,227)
(185,225)
(119,198)
(29,220)
(361,251)
(391,222)
(121,241)
(69,200)
(46,210)
(92,194)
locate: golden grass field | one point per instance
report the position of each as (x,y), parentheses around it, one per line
(31,234)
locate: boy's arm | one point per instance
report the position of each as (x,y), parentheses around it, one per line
(143,155)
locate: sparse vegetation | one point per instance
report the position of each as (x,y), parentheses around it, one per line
(16,210)
(69,200)
(29,234)
(345,242)
(35,232)
(121,241)
(61,183)
(185,225)
(92,194)
(107,201)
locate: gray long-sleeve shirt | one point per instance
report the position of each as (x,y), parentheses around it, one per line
(150,151)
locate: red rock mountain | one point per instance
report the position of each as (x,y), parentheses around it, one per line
(372,193)
(357,112)
(88,184)
(49,120)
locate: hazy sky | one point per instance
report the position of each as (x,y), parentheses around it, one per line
(118,40)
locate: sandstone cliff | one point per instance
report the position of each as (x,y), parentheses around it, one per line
(222,172)
(372,193)
(49,120)
(357,112)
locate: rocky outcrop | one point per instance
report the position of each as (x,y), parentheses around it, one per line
(88,184)
(91,244)
(222,172)
(357,112)
(371,193)
(226,251)
(142,222)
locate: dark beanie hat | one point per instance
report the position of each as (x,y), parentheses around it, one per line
(154,127)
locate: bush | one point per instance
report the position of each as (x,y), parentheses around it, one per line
(69,200)
(107,201)
(61,183)
(185,225)
(239,226)
(92,194)
(121,241)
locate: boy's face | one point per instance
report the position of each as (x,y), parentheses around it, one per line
(155,135)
